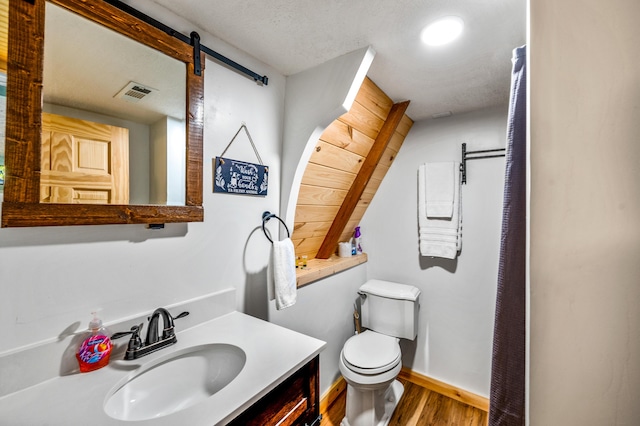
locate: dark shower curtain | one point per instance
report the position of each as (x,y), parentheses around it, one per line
(507,397)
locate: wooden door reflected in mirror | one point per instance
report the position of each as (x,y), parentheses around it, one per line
(83,162)
(24,160)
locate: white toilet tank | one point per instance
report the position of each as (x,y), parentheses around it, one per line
(390,308)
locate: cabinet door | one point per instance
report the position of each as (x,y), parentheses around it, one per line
(296,401)
(83,162)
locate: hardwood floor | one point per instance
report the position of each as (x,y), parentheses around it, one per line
(418,407)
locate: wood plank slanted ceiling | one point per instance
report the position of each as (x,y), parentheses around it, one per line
(333,168)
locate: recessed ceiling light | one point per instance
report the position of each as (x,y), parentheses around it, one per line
(442,31)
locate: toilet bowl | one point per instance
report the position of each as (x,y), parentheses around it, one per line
(371,361)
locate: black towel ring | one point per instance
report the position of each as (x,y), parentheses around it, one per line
(265,218)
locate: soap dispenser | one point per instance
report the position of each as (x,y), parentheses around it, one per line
(95,350)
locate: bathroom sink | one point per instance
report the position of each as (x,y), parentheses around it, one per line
(172,384)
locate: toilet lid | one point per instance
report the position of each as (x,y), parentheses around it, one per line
(371,352)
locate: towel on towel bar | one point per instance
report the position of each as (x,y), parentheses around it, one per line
(284,273)
(439,187)
(439,237)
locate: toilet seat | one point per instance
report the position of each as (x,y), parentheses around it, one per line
(371,353)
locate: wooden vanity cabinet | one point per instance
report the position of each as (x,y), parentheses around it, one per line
(296,401)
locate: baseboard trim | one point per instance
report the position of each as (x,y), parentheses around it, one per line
(445,389)
(455,393)
(331,394)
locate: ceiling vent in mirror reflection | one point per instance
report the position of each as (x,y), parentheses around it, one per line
(135,92)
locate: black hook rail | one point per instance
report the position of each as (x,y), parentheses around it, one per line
(472,155)
(265,218)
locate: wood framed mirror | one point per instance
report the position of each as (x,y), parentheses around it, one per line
(22,205)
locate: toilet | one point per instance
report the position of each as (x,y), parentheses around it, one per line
(371,361)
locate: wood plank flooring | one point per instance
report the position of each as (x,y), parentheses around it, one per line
(418,407)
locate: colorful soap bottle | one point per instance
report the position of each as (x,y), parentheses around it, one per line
(358,240)
(95,350)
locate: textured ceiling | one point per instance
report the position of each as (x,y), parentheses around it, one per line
(88,78)
(294,35)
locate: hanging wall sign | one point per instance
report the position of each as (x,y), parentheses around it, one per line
(239,177)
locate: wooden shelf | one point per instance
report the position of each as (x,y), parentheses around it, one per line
(321,268)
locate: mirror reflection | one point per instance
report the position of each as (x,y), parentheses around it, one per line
(113,117)
(4,20)
(3,115)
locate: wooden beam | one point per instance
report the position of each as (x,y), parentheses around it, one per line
(389,127)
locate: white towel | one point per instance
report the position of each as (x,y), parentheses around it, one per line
(439,237)
(284,273)
(439,187)
(459,199)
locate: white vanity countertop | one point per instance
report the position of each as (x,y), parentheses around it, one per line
(273,353)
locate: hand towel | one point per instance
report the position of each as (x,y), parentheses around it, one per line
(439,187)
(439,237)
(284,273)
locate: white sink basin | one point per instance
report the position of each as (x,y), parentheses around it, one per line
(172,384)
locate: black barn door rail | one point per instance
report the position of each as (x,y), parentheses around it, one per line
(193,40)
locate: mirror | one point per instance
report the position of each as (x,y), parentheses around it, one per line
(4,12)
(28,179)
(109,79)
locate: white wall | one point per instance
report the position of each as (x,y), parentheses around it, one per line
(585,212)
(158,162)
(167,158)
(325,311)
(52,278)
(458,296)
(176,161)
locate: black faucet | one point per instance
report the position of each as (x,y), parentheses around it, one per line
(153,342)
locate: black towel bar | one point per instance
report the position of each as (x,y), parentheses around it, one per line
(265,218)
(472,155)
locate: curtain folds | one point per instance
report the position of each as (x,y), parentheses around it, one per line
(507,395)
